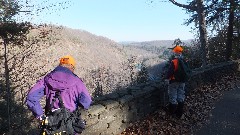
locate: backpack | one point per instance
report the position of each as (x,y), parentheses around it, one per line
(183,73)
(62,121)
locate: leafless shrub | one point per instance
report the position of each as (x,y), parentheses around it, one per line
(24,70)
(103,80)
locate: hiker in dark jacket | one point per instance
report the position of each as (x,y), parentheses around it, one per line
(176,88)
(61,80)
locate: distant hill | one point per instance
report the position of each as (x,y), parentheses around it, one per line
(149,52)
(92,53)
(89,50)
(152,43)
(41,54)
(156,47)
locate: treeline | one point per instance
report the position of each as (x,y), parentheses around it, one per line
(216,24)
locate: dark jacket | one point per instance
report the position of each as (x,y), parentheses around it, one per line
(171,69)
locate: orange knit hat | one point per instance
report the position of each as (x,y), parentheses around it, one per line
(177,49)
(68,60)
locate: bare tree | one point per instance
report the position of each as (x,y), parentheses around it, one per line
(12,33)
(230,29)
(217,14)
(198,6)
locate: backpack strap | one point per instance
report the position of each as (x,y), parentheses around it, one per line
(175,64)
(56,96)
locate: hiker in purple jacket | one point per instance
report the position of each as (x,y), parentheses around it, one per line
(70,87)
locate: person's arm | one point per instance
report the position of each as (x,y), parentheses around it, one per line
(187,64)
(84,99)
(170,71)
(33,98)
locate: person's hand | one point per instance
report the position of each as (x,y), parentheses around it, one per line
(41,117)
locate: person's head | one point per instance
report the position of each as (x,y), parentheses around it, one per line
(68,62)
(177,49)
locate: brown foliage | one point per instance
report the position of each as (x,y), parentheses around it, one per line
(199,104)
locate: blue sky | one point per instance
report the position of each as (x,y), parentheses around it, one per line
(122,20)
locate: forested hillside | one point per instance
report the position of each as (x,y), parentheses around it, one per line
(99,59)
(156,47)
(103,64)
(152,53)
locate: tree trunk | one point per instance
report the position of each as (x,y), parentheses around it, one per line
(202,26)
(230,31)
(202,30)
(5,42)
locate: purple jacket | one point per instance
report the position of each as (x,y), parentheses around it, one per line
(71,89)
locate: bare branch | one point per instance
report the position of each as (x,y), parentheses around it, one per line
(25,11)
(193,8)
